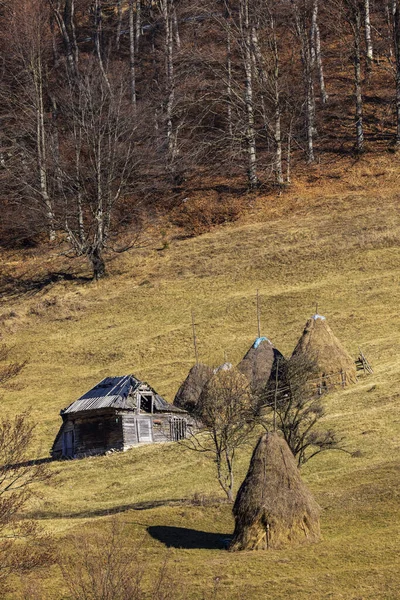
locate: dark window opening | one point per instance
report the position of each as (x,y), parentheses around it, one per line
(146,403)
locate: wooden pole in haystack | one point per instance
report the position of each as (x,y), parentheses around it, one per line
(196,354)
(258,315)
(276,391)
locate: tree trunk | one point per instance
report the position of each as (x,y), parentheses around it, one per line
(229,82)
(250,134)
(316,50)
(66,26)
(357,82)
(97,263)
(41,146)
(97,40)
(277,107)
(396,36)
(119,25)
(132,59)
(307,50)
(368,38)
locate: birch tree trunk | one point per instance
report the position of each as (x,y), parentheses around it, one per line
(167,13)
(368,37)
(132,53)
(306,50)
(41,144)
(316,51)
(357,80)
(65,22)
(250,133)
(277,106)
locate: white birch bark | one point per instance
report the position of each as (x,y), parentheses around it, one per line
(132,53)
(250,134)
(368,37)
(306,49)
(277,107)
(316,51)
(357,80)
(138,21)
(41,142)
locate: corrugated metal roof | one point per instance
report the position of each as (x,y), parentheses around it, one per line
(111,392)
(115,392)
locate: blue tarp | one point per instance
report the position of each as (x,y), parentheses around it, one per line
(316,316)
(259,340)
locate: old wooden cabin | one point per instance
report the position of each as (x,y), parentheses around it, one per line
(118,413)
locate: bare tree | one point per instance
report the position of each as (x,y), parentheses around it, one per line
(353,15)
(107,566)
(295,407)
(29,40)
(23,543)
(102,129)
(225,412)
(302,20)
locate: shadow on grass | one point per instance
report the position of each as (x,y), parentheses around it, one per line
(181,537)
(104,512)
(27,285)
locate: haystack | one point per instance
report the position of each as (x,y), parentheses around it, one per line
(273,507)
(225,396)
(260,363)
(189,392)
(333,365)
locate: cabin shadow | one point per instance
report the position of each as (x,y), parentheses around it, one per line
(190,539)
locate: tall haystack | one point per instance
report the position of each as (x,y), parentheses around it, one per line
(333,365)
(273,507)
(227,393)
(189,392)
(260,364)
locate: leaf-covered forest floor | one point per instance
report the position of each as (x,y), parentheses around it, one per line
(331,238)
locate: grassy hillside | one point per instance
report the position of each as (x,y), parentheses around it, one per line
(335,241)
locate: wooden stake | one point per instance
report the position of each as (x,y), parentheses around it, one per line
(258,315)
(195,339)
(276,391)
(316,308)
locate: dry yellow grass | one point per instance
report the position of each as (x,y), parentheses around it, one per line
(333,241)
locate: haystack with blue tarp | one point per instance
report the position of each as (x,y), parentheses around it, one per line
(260,364)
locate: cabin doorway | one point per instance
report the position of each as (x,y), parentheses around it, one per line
(68,443)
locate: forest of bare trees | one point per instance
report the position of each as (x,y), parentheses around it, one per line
(108,105)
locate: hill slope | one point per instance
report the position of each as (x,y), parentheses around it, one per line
(336,243)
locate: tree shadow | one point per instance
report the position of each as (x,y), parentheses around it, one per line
(191,539)
(26,285)
(105,512)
